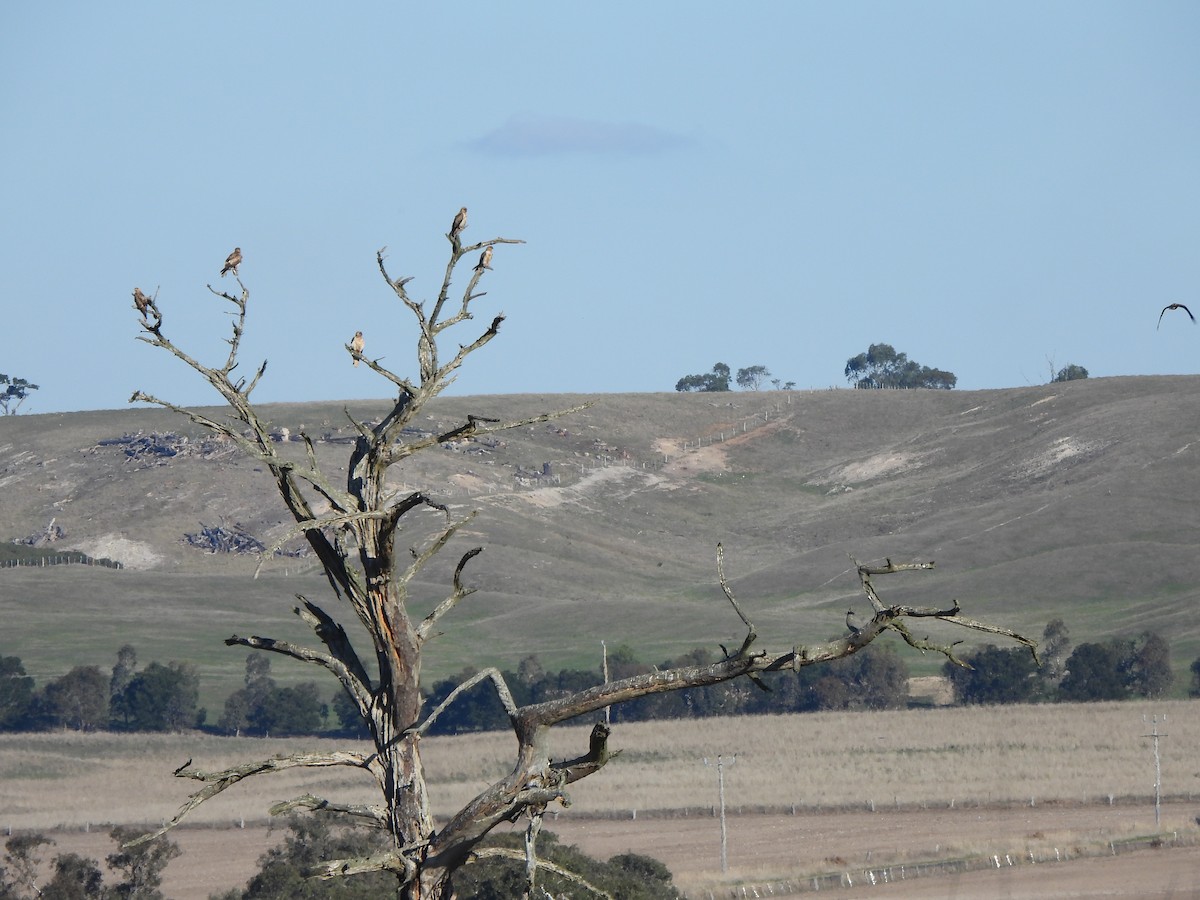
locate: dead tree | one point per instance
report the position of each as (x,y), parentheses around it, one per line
(355,537)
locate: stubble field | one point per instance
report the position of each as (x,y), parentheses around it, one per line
(808,795)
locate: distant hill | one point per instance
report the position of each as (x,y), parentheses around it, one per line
(1075,500)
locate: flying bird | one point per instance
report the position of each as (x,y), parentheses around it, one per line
(485,260)
(1175,306)
(459,223)
(232,261)
(356,344)
(141,301)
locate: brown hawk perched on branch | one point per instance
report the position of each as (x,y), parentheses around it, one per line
(1174,306)
(232,261)
(141,301)
(459,223)
(485,260)
(356,344)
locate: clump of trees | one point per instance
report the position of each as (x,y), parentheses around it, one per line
(264,708)
(1070,373)
(721,378)
(1115,669)
(15,392)
(882,367)
(500,876)
(1118,668)
(74,877)
(163,697)
(158,698)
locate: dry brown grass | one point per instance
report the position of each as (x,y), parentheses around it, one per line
(920,758)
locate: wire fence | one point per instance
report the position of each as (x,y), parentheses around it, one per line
(62,560)
(877,875)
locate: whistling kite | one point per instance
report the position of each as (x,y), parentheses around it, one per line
(141,301)
(459,223)
(485,259)
(232,261)
(1174,306)
(356,344)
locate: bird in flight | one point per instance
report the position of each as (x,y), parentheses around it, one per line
(356,344)
(232,261)
(1175,306)
(141,301)
(459,223)
(485,259)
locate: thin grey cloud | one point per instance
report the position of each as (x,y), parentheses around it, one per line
(537,135)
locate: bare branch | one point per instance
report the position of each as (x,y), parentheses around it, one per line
(476,427)
(458,253)
(505,695)
(334,637)
(865,573)
(354,680)
(460,591)
(992,629)
(391,861)
(924,644)
(519,856)
(220,781)
(317,524)
(404,384)
(375,816)
(744,663)
(591,762)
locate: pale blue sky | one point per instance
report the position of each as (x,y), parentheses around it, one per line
(984,186)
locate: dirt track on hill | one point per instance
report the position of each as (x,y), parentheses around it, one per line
(771,850)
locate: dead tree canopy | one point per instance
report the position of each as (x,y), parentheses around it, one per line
(359,535)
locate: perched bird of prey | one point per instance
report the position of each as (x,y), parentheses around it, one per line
(232,261)
(141,301)
(1175,306)
(356,344)
(852,622)
(459,223)
(485,259)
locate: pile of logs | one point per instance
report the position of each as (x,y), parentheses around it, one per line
(219,539)
(155,449)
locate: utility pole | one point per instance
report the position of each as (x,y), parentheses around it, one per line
(721,764)
(604,665)
(1154,736)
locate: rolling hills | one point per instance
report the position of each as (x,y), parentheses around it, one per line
(1072,500)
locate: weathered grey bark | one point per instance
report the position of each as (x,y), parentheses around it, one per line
(355,541)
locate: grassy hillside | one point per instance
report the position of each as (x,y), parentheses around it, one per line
(1072,500)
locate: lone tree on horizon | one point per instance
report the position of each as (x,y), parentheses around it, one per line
(16,391)
(354,526)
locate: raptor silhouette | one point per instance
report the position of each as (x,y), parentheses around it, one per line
(1175,306)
